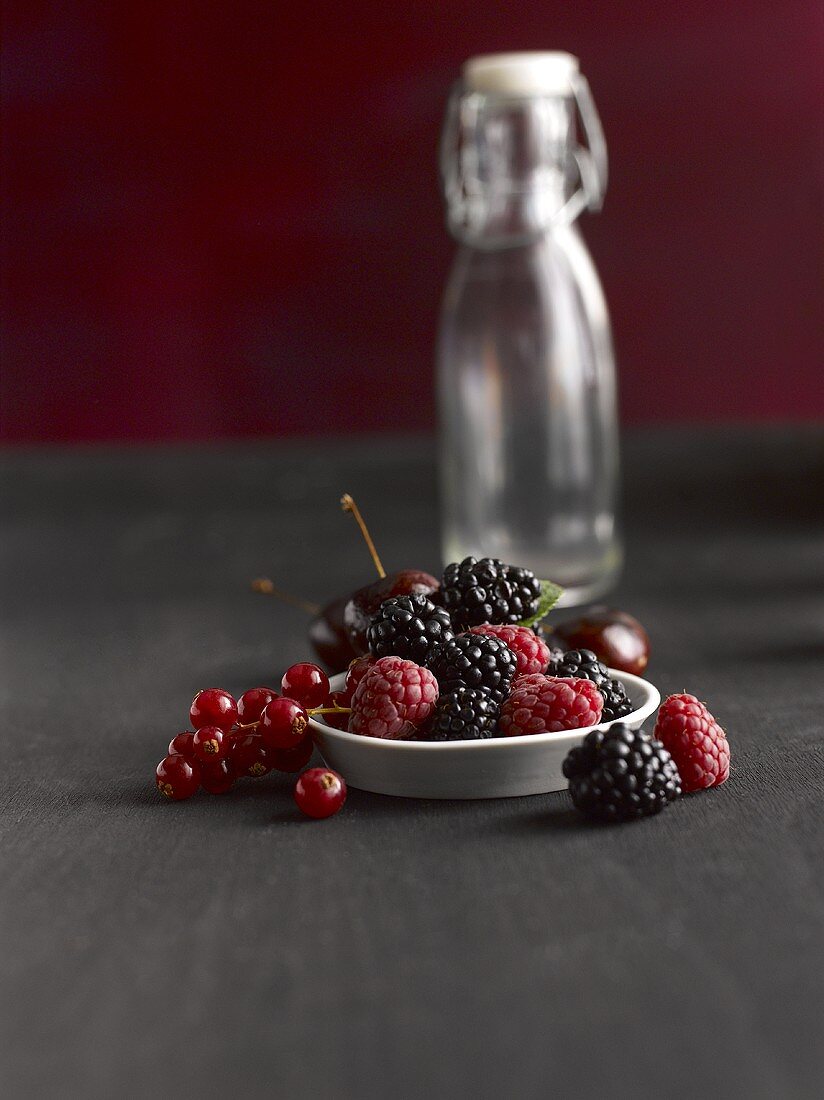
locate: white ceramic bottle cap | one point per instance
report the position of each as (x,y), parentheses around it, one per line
(546,72)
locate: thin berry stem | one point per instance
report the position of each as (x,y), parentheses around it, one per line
(348,505)
(330,710)
(266,588)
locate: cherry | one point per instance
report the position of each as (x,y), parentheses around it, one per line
(356,672)
(292,760)
(213,707)
(217,777)
(177,778)
(283,724)
(615,638)
(208,744)
(306,684)
(182,744)
(248,755)
(364,603)
(338,721)
(329,638)
(251,703)
(320,792)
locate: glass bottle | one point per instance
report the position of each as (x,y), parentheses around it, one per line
(526,377)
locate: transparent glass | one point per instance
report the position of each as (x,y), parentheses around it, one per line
(526,377)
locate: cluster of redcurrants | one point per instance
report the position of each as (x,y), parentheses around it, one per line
(255,734)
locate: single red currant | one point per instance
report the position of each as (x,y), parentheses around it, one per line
(251,703)
(208,744)
(176,777)
(249,756)
(182,744)
(357,670)
(338,721)
(320,792)
(213,707)
(217,777)
(283,724)
(306,684)
(292,760)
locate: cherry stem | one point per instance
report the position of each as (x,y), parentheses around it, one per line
(266,588)
(348,505)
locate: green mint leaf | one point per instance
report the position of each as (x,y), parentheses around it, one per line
(550,594)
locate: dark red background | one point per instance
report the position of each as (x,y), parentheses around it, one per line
(224,218)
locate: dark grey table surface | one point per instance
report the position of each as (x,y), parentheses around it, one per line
(402,948)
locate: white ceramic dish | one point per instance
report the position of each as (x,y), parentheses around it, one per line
(498,768)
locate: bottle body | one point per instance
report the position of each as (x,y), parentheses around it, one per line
(525,369)
(527,407)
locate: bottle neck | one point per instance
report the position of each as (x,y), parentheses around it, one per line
(512,167)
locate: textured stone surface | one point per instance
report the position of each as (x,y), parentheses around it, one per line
(401,948)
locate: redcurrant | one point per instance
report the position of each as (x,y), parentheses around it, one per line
(292,760)
(320,792)
(338,721)
(356,672)
(177,778)
(251,704)
(306,684)
(283,724)
(248,755)
(217,777)
(208,744)
(213,707)
(182,744)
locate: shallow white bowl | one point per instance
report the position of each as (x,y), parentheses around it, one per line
(498,768)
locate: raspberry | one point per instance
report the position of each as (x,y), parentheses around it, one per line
(393,700)
(583,663)
(408,626)
(476,661)
(464,715)
(548,704)
(531,652)
(619,774)
(488,591)
(697,743)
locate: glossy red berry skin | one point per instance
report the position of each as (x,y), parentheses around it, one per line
(356,672)
(177,778)
(248,756)
(213,707)
(251,703)
(283,724)
(615,638)
(328,636)
(182,744)
(292,760)
(217,777)
(338,721)
(320,792)
(208,744)
(306,684)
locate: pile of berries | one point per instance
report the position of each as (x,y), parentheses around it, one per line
(463,658)
(260,732)
(436,672)
(461,662)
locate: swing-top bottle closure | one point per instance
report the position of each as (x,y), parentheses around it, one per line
(510,138)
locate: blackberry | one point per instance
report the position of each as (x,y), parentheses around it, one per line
(488,591)
(467,714)
(409,627)
(584,665)
(474,661)
(619,774)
